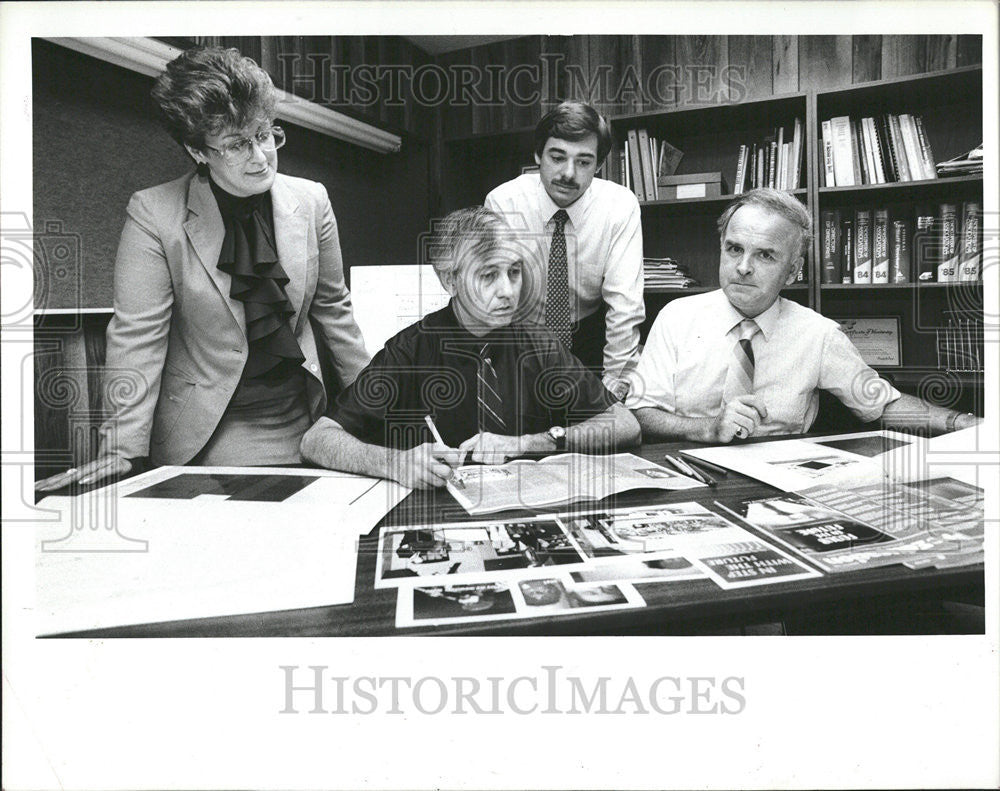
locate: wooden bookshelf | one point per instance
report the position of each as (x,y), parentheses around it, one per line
(950,104)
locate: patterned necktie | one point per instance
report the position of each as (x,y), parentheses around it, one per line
(557,299)
(739,379)
(488,395)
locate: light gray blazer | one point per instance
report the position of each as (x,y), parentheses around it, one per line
(177,345)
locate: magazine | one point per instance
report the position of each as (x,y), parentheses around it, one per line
(556,480)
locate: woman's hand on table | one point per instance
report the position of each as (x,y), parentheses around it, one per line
(92,472)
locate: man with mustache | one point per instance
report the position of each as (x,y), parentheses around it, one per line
(743,361)
(589,241)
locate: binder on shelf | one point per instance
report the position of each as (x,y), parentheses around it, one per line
(856,155)
(871,140)
(830,179)
(635,165)
(782,157)
(947,239)
(926,154)
(912,147)
(903,169)
(863,246)
(797,149)
(741,170)
(843,163)
(880,247)
(831,246)
(970,258)
(648,178)
(885,143)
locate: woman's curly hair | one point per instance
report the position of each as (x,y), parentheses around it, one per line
(206,90)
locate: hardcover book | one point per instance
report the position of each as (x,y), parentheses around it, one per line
(900,252)
(847,254)
(947,233)
(830,246)
(880,247)
(863,246)
(971,256)
(925,245)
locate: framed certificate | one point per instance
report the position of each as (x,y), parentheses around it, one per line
(877,339)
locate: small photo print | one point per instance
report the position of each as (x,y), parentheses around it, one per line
(480,600)
(815,467)
(551,595)
(870,445)
(639,569)
(407,555)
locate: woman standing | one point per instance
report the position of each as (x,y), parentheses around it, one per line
(219,278)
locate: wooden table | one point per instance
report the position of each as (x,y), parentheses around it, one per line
(891,599)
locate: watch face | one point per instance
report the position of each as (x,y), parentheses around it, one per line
(557,432)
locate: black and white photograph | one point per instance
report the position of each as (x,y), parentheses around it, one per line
(375,371)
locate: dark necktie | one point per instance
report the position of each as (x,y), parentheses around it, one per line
(557,317)
(488,395)
(739,379)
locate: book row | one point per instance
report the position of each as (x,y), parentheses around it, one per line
(643,160)
(875,150)
(775,161)
(940,243)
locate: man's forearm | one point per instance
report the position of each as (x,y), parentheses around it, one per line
(326,444)
(910,412)
(660,425)
(613,428)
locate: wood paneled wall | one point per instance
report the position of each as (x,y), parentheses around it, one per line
(628,74)
(302,65)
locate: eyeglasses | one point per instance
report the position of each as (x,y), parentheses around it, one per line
(240,151)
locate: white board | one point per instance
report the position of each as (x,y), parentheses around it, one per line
(390,298)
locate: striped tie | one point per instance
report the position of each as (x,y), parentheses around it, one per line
(488,395)
(739,379)
(557,317)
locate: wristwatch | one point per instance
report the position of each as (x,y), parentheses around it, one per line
(558,436)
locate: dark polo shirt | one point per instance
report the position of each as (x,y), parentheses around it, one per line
(430,369)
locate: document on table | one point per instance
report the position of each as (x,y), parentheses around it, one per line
(857,459)
(924,523)
(555,480)
(193,542)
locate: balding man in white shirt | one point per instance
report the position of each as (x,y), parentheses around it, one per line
(743,361)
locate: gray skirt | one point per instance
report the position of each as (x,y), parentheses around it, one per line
(262,426)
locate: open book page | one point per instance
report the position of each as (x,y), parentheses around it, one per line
(566,478)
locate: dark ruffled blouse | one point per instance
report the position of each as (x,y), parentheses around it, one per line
(249,255)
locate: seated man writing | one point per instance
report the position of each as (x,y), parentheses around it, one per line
(743,361)
(494,388)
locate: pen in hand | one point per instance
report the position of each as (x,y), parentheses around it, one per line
(437,438)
